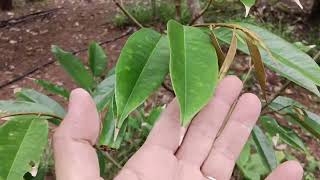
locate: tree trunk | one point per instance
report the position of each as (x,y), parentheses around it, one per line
(194,7)
(6,4)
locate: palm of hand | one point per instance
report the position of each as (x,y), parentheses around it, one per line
(170,152)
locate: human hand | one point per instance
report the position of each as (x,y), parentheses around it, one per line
(204,153)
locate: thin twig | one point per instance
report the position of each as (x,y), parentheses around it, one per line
(277,94)
(274,111)
(31,71)
(127,13)
(201,13)
(31,113)
(164,85)
(248,74)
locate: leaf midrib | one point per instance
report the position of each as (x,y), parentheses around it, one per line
(15,158)
(141,72)
(185,73)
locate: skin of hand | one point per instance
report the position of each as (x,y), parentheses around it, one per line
(170,151)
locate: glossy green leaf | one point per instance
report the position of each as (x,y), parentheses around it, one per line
(287,135)
(97,59)
(141,68)
(193,68)
(18,107)
(53,88)
(73,66)
(264,148)
(22,141)
(248,4)
(104,92)
(290,63)
(310,121)
(108,128)
(39,98)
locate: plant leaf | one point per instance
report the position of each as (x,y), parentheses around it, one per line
(216,45)
(22,141)
(230,56)
(287,135)
(97,59)
(258,65)
(73,66)
(193,68)
(291,63)
(141,68)
(248,4)
(264,148)
(53,88)
(309,120)
(108,128)
(14,107)
(39,98)
(121,135)
(104,92)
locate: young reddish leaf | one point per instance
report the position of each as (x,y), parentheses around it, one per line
(258,65)
(220,53)
(230,56)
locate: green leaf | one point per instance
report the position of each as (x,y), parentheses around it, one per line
(310,121)
(73,66)
(264,148)
(53,88)
(108,128)
(39,98)
(287,135)
(141,68)
(22,141)
(104,92)
(19,107)
(121,135)
(193,68)
(290,63)
(248,4)
(97,59)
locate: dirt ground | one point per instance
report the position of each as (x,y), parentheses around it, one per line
(27,45)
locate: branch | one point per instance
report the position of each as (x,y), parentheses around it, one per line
(127,13)
(277,94)
(201,13)
(32,113)
(31,71)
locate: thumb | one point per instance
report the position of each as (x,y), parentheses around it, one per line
(75,158)
(289,170)
(82,121)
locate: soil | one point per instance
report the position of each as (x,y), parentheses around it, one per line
(27,45)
